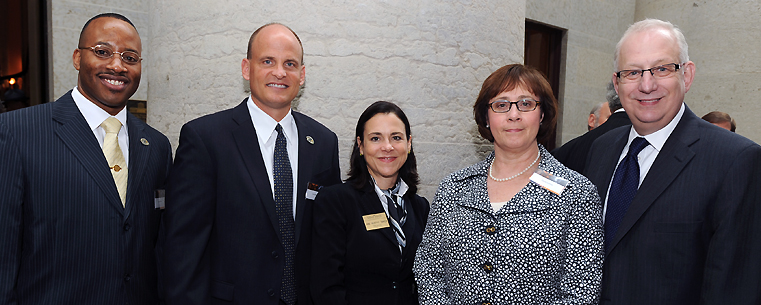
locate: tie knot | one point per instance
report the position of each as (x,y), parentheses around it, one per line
(279,129)
(638,144)
(111,125)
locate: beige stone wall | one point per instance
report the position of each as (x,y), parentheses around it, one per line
(430,57)
(724,42)
(593,28)
(68,18)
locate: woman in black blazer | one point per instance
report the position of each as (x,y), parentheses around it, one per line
(366,231)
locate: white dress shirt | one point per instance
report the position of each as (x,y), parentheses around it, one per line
(267,135)
(95,116)
(647,156)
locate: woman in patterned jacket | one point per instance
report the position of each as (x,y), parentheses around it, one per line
(518,227)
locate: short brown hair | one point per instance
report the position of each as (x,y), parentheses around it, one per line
(508,78)
(720,117)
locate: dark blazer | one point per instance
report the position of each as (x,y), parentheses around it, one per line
(690,235)
(574,153)
(222,240)
(355,266)
(64,236)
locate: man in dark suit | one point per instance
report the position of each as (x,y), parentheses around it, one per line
(78,223)
(574,153)
(686,235)
(239,212)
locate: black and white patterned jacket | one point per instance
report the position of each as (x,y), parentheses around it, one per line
(539,248)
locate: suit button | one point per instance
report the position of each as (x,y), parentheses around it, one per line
(127,227)
(274,254)
(491,230)
(487,267)
(271,292)
(126,277)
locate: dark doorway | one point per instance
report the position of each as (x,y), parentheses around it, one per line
(24,77)
(543,51)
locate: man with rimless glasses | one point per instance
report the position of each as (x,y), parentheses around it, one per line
(78,222)
(682,197)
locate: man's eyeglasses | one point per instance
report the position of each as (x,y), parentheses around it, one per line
(524,105)
(662,71)
(101,51)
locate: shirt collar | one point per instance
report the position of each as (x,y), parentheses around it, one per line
(403,187)
(265,124)
(658,139)
(93,114)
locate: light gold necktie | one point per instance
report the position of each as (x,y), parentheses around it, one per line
(114,156)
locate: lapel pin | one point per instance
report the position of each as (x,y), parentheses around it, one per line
(310,140)
(144,141)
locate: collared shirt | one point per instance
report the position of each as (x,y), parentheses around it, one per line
(95,116)
(267,135)
(647,156)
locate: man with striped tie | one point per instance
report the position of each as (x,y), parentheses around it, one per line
(78,222)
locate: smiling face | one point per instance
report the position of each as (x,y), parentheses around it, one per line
(274,71)
(652,103)
(108,82)
(385,147)
(515,130)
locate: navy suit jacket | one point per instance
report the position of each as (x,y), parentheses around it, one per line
(574,153)
(690,235)
(222,240)
(352,265)
(64,236)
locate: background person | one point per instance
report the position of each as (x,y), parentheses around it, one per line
(356,262)
(78,222)
(598,115)
(573,154)
(721,119)
(496,237)
(238,217)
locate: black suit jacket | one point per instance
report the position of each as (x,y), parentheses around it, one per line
(574,153)
(222,240)
(355,266)
(690,236)
(64,236)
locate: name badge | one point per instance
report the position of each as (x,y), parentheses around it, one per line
(549,181)
(159,199)
(375,221)
(312,190)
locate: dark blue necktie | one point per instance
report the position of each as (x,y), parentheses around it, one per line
(284,209)
(622,189)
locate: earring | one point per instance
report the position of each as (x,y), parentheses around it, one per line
(360,154)
(487,125)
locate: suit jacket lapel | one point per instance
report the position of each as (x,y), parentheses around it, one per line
(306,157)
(78,137)
(248,146)
(139,150)
(671,160)
(608,162)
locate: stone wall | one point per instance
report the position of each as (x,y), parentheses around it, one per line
(593,29)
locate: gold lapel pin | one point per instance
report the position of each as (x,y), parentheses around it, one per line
(310,140)
(144,141)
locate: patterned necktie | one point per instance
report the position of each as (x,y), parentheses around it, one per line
(114,156)
(283,179)
(622,189)
(398,217)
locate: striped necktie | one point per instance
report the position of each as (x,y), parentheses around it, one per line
(114,156)
(398,216)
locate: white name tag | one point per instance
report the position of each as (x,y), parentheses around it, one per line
(549,181)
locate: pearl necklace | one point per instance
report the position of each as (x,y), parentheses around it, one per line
(513,176)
